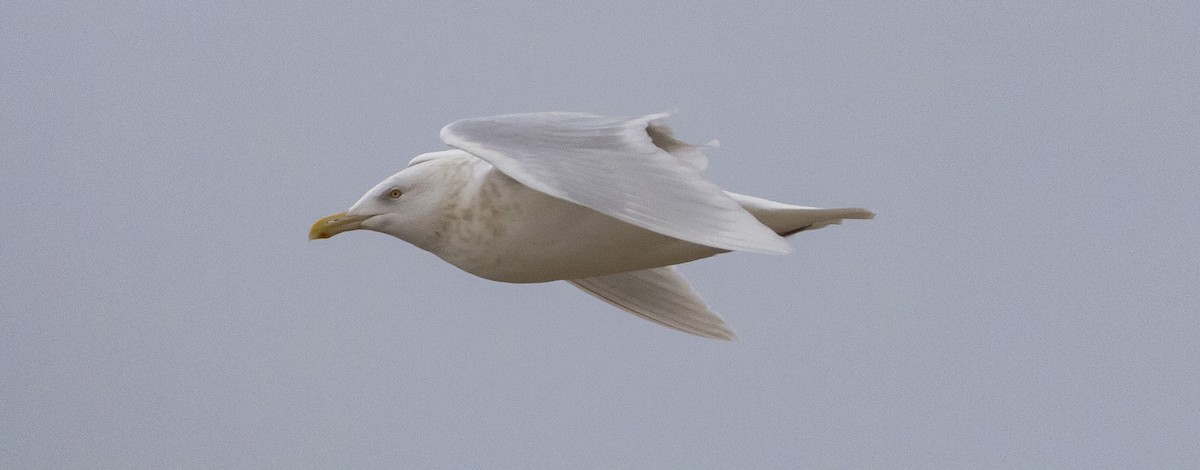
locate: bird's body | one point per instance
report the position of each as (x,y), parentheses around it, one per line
(496,228)
(606,204)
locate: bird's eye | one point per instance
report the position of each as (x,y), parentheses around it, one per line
(395,193)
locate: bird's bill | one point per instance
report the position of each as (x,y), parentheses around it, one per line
(335,224)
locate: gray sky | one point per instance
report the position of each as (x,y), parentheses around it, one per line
(1027,296)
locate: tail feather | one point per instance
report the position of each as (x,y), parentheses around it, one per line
(787,220)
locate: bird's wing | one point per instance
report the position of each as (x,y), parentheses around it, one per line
(660,295)
(632,169)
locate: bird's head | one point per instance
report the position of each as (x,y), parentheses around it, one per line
(401,205)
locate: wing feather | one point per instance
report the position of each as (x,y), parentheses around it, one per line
(660,295)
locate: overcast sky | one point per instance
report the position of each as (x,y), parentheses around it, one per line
(1027,296)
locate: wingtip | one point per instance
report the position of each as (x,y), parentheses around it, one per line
(726,335)
(718,332)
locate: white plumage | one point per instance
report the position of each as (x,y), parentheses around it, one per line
(608,204)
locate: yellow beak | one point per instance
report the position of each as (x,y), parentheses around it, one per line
(335,224)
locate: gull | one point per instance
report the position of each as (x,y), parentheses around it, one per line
(608,204)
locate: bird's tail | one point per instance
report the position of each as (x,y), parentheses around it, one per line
(787,220)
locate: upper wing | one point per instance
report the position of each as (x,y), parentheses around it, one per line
(632,169)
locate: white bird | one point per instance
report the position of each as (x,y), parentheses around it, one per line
(607,204)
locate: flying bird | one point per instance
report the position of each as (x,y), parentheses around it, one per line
(608,204)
